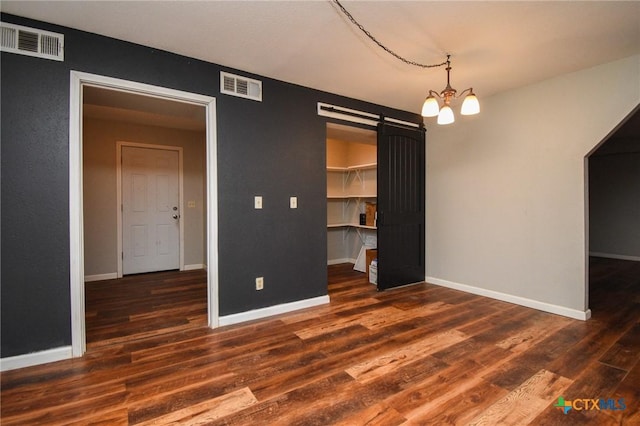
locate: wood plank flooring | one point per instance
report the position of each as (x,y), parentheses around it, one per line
(144,305)
(416,355)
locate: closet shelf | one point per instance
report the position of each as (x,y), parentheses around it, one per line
(368,166)
(351,196)
(349,225)
(351,193)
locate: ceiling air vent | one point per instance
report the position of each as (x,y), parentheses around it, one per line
(31,42)
(243,87)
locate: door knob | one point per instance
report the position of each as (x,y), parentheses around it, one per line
(175,216)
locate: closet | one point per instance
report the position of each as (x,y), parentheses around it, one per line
(351,194)
(376,166)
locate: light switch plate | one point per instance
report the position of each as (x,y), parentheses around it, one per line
(191,204)
(293,202)
(257,201)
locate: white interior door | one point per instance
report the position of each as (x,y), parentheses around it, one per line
(150,210)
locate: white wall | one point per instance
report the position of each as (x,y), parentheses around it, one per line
(506,188)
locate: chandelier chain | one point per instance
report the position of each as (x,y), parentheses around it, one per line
(385,48)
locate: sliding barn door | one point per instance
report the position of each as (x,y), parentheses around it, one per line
(401,205)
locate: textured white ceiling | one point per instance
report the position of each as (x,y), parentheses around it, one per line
(495,46)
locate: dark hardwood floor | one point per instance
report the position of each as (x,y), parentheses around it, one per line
(143,305)
(416,355)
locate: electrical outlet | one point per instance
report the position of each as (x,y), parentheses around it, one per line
(259,283)
(293,202)
(257,202)
(191,204)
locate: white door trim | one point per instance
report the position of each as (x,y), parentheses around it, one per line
(119,145)
(76,222)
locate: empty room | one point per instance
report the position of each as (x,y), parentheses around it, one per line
(320,212)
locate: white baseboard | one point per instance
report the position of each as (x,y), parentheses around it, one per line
(522,301)
(271,310)
(100,277)
(193,267)
(338,261)
(615,256)
(35,358)
(114,275)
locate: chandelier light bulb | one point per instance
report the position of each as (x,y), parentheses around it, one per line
(470,106)
(446,115)
(430,108)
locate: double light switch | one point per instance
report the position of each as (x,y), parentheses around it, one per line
(257,202)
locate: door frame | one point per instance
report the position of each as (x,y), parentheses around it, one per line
(76,222)
(341,114)
(119,219)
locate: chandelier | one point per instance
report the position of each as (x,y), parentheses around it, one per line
(430,108)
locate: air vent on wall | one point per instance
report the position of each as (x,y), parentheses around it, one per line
(31,42)
(243,87)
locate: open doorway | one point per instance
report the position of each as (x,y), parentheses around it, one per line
(138,95)
(143,161)
(376,201)
(613,217)
(351,196)
(145,156)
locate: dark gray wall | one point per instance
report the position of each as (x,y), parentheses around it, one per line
(274,148)
(614,192)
